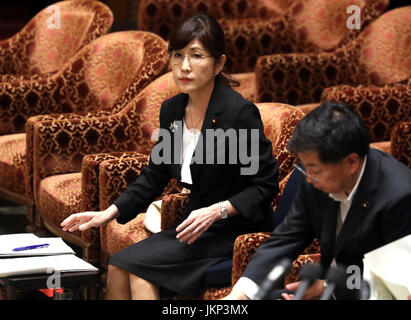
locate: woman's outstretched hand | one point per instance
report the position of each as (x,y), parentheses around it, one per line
(86,220)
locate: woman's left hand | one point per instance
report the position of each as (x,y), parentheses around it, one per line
(197,223)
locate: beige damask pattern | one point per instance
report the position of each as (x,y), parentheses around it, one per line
(39,49)
(162,16)
(246,245)
(256,28)
(378,56)
(12,152)
(380,108)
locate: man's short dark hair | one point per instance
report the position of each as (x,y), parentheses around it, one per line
(333,130)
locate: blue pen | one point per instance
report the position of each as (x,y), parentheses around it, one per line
(37,246)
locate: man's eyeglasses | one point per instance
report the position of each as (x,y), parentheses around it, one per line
(304,172)
(194,59)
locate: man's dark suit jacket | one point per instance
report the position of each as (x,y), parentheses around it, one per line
(250,194)
(379,214)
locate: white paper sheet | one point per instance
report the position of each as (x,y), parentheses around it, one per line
(9,242)
(43,264)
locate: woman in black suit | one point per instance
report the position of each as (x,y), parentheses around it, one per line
(212,141)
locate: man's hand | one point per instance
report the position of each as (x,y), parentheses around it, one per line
(312,293)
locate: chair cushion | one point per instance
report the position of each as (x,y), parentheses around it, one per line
(59,197)
(12,158)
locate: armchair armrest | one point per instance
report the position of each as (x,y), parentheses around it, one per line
(90,174)
(244,248)
(302,259)
(300,78)
(246,245)
(116,175)
(172,208)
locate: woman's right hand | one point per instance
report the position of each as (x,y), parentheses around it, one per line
(86,220)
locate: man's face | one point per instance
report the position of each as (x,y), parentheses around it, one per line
(329,177)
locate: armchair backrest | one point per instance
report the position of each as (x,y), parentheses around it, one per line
(140,118)
(385,48)
(321,25)
(380,108)
(161,16)
(53,36)
(110,71)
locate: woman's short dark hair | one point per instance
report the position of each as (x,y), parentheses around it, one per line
(209,32)
(333,130)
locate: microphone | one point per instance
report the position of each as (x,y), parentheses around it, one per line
(336,277)
(273,279)
(309,273)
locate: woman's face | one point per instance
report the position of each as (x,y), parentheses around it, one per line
(193,67)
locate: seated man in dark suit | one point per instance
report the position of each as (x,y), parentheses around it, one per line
(354,199)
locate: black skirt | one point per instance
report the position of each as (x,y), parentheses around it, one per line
(177,267)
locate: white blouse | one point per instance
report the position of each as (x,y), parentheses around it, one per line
(190,138)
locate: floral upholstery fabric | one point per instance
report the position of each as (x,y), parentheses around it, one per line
(306,26)
(380,108)
(401,142)
(12,151)
(246,245)
(378,56)
(162,16)
(38,49)
(256,28)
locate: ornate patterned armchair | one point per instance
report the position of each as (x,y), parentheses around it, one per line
(60,143)
(380,108)
(378,56)
(101,78)
(305,26)
(40,50)
(161,16)
(261,27)
(115,174)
